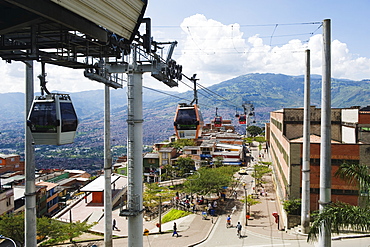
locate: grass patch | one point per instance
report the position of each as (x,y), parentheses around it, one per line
(174,214)
(122,171)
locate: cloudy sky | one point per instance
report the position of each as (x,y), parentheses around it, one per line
(220,40)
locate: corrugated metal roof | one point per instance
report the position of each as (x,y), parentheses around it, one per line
(118,16)
(98,184)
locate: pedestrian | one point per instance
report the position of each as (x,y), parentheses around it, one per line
(228,221)
(239,229)
(175,230)
(114,225)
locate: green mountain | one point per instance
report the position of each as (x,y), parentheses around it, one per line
(268,92)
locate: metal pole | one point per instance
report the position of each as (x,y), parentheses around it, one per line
(305,208)
(160,214)
(30,188)
(246,205)
(135,158)
(107,171)
(325,149)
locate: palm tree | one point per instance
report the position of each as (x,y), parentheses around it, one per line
(342,216)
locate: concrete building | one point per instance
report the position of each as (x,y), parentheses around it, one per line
(51,194)
(350,131)
(151,167)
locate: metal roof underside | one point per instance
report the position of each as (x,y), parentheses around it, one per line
(45,31)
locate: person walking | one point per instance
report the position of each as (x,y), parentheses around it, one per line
(239,230)
(114,225)
(228,221)
(175,230)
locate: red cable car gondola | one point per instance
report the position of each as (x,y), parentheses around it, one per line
(218,121)
(188,121)
(52,120)
(242,119)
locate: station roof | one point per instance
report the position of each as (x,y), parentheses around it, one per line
(65,32)
(98,184)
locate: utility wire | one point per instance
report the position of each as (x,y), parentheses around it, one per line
(254,25)
(158,91)
(273,33)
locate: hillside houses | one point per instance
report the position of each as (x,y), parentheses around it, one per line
(226,147)
(56,187)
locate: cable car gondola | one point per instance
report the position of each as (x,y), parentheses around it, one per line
(236,113)
(218,120)
(188,121)
(242,119)
(52,120)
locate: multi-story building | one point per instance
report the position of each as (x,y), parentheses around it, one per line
(151,167)
(11,163)
(350,134)
(6,200)
(50,193)
(166,154)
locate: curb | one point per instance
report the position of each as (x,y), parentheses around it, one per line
(209,232)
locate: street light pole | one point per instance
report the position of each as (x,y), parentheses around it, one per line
(160,214)
(246,203)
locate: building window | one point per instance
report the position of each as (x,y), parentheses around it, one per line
(12,159)
(151,161)
(193,151)
(8,202)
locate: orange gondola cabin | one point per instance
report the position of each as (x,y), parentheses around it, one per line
(188,122)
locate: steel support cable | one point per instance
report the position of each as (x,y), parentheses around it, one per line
(158,91)
(208,90)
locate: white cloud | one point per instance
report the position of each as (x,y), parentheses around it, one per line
(59,78)
(215,52)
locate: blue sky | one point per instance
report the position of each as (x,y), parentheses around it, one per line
(220,40)
(350,19)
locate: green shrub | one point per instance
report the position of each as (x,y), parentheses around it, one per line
(292,206)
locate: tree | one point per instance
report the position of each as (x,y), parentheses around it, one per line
(152,193)
(210,180)
(184,165)
(259,172)
(218,162)
(341,216)
(250,202)
(180,143)
(54,231)
(254,130)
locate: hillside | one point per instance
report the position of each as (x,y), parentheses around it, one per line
(268,92)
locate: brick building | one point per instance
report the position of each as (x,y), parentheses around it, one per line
(350,132)
(11,163)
